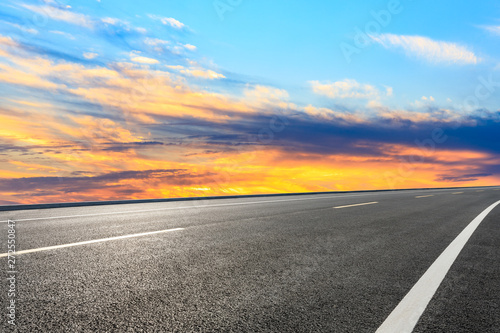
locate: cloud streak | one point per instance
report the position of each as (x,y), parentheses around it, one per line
(61,14)
(169,21)
(424,48)
(347,88)
(494,29)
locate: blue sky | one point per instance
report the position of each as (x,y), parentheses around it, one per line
(178,87)
(288,44)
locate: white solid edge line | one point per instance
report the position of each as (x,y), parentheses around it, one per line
(359,204)
(333,196)
(186,207)
(88,242)
(407,313)
(182,207)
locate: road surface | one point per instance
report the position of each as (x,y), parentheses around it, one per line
(301,263)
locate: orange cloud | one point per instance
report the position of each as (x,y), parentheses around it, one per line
(111,152)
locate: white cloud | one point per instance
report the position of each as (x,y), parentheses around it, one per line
(428,49)
(111,20)
(262,97)
(495,29)
(117,23)
(389,91)
(160,45)
(20,27)
(347,88)
(265,93)
(197,71)
(59,14)
(143,60)
(190,47)
(329,114)
(424,102)
(155,41)
(170,21)
(65,34)
(90,55)
(202,73)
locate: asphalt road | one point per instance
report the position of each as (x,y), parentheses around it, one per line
(275,264)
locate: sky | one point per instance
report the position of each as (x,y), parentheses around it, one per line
(110,100)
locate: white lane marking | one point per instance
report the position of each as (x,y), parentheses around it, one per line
(424,196)
(184,207)
(406,315)
(188,207)
(458,193)
(216,205)
(480,191)
(89,242)
(354,205)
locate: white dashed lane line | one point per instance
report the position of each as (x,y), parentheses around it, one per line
(40,249)
(355,205)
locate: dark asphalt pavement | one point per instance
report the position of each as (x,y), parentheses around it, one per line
(267,264)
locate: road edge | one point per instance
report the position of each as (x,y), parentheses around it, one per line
(4,208)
